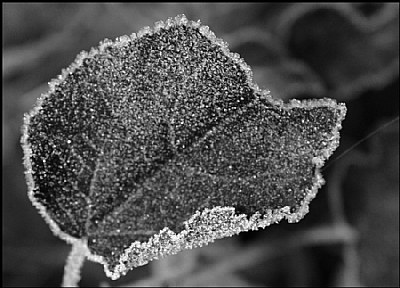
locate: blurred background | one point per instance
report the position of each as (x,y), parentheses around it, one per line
(349,52)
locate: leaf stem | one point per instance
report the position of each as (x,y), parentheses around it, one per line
(75,260)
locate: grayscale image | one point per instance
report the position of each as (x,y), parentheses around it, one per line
(200,144)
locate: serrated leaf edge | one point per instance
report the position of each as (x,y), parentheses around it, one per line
(179,240)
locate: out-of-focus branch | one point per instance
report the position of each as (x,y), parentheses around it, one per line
(25,57)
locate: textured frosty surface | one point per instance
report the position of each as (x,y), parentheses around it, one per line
(160,141)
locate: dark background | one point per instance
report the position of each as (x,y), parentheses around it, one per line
(349,52)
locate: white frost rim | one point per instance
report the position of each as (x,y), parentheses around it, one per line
(173,243)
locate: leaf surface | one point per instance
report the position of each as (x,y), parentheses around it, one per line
(161,141)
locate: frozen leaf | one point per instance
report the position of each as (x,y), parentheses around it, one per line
(161,141)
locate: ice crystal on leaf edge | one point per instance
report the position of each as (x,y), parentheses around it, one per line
(204,226)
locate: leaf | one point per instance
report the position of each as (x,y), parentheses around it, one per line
(160,141)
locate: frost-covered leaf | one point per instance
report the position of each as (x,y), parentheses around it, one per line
(160,141)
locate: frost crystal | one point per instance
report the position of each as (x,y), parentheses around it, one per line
(161,141)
